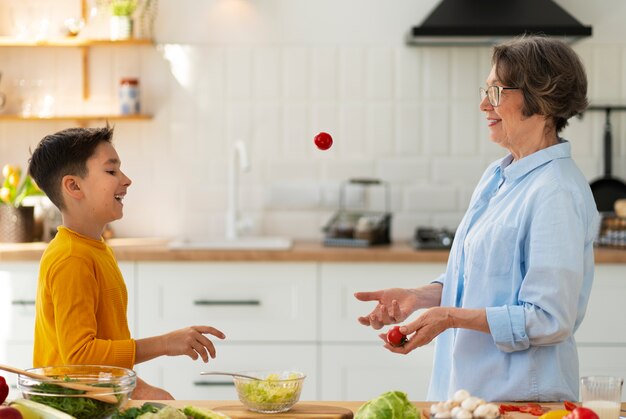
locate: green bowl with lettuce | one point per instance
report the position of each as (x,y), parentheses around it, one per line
(114,384)
(274,392)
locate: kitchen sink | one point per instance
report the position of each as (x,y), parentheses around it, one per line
(241,243)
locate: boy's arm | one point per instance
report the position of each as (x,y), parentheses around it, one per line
(189,341)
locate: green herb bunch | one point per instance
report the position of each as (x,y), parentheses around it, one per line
(123,7)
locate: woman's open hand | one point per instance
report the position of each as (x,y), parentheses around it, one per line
(394,306)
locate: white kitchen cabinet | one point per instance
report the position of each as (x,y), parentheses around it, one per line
(354,364)
(361,371)
(268,312)
(181,375)
(339,282)
(259,302)
(18,285)
(605,320)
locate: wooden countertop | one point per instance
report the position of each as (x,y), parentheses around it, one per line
(350,405)
(154,249)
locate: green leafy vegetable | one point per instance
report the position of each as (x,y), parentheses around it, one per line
(168,412)
(135,412)
(201,413)
(271,390)
(390,405)
(79,407)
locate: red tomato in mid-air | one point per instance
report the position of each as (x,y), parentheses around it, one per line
(395,337)
(323,141)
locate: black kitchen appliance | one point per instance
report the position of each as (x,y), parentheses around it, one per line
(358,227)
(432,238)
(607,189)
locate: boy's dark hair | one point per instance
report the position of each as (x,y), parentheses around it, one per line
(64,153)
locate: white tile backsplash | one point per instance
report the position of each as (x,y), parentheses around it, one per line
(274,73)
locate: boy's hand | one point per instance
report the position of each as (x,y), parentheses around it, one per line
(191,341)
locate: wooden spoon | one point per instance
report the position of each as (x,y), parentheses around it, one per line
(92,392)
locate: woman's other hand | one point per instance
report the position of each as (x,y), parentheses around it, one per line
(394,306)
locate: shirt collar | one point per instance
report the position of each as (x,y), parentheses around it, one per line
(512,170)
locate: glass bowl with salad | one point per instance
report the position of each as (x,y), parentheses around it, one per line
(273,392)
(82,391)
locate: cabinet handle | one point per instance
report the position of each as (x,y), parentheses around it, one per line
(227,302)
(23,302)
(213,383)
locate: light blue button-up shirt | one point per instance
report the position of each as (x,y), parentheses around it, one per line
(523,251)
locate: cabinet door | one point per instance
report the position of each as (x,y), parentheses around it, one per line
(339,282)
(605,320)
(18,355)
(360,372)
(247,301)
(18,282)
(181,375)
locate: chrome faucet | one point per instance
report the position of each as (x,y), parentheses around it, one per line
(238,161)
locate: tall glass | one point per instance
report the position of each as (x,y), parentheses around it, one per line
(602,394)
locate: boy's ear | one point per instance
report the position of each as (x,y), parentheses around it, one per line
(70,185)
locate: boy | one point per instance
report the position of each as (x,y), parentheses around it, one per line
(81,295)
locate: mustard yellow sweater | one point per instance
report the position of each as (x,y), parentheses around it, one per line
(81,305)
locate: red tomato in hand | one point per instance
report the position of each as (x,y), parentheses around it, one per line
(569,405)
(582,413)
(323,141)
(395,337)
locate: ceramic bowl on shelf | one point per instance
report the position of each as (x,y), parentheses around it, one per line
(276,391)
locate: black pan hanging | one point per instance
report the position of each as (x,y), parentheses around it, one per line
(607,189)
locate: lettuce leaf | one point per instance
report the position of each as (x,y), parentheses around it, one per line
(389,405)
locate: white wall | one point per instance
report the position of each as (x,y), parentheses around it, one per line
(276,72)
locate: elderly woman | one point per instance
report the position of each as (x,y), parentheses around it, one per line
(521,266)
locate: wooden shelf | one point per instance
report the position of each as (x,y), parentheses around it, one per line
(83,118)
(73,42)
(70,42)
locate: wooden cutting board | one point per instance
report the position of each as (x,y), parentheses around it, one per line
(299,411)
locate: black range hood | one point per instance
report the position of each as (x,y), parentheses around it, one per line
(487,22)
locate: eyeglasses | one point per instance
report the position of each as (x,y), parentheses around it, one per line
(494,93)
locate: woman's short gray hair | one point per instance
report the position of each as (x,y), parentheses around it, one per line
(549,73)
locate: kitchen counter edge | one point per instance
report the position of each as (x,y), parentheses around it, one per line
(154,249)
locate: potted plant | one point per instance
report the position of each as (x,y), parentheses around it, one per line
(121,18)
(17,222)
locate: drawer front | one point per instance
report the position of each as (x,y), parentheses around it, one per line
(605,320)
(340,281)
(181,375)
(362,372)
(247,301)
(18,282)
